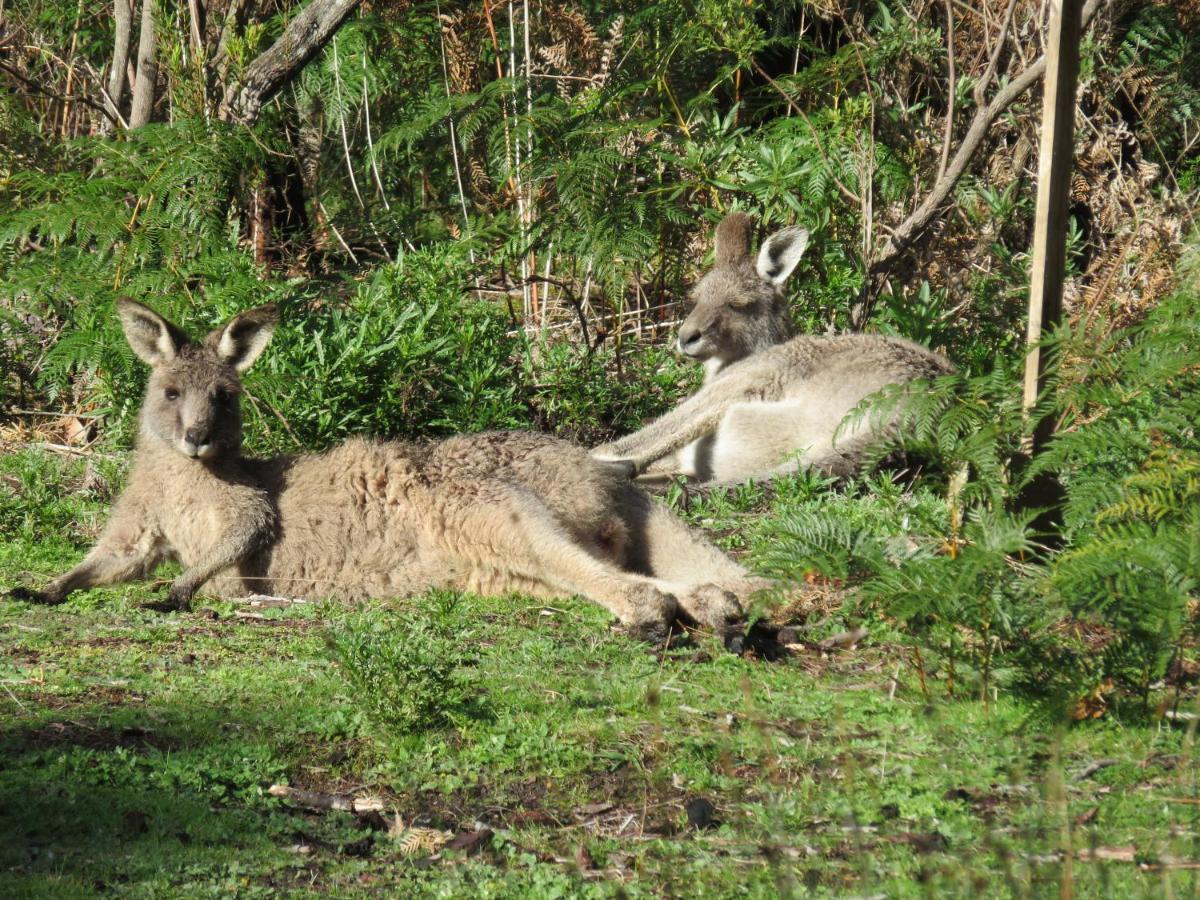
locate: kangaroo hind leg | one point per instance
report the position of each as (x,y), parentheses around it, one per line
(515,536)
(708,584)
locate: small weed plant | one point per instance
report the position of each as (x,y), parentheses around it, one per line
(408,671)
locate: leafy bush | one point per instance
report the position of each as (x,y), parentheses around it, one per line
(573,393)
(409,671)
(978,584)
(403,356)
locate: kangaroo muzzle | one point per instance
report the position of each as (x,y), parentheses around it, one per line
(691,341)
(197,443)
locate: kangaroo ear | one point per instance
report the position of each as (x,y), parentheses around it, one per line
(731,240)
(153,338)
(240,340)
(780,252)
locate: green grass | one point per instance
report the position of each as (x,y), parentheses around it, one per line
(136,750)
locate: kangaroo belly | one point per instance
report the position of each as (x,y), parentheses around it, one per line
(577,490)
(375,519)
(349,528)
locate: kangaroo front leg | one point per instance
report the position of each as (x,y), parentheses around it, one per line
(235,545)
(692,419)
(121,555)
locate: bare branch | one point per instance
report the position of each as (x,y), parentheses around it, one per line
(39,88)
(915,225)
(300,41)
(952,85)
(990,72)
(123,23)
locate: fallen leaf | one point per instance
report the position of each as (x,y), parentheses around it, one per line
(1086,817)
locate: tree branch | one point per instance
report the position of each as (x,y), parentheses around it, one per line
(952,89)
(39,88)
(271,70)
(123,25)
(919,220)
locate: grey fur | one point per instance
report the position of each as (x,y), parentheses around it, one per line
(492,513)
(771,401)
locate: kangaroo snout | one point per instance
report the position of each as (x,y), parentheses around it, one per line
(197,442)
(690,340)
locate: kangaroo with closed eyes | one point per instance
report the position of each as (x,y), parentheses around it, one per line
(772,401)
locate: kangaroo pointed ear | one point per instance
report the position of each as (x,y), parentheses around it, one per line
(731,240)
(153,338)
(780,252)
(240,340)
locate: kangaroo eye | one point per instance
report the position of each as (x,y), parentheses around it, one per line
(171,394)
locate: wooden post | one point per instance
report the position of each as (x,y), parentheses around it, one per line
(1054,186)
(1045,492)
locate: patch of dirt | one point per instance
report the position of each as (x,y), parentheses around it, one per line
(26,655)
(107,641)
(80,734)
(93,695)
(634,809)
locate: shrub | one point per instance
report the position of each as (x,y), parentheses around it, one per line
(410,671)
(404,355)
(979,584)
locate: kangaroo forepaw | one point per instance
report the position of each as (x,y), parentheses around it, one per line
(626,468)
(179,599)
(608,455)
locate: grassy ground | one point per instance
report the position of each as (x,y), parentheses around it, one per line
(137,749)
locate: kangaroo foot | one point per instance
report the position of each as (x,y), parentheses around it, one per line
(650,614)
(32,595)
(711,606)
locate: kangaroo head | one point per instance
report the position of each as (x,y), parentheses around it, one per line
(739,305)
(192,401)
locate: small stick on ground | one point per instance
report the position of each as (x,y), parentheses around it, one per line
(317,800)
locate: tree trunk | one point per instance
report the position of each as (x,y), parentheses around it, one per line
(147,73)
(123,19)
(304,36)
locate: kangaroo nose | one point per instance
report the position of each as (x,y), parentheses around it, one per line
(689,339)
(196,437)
